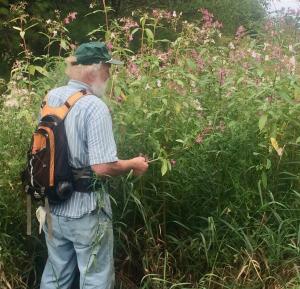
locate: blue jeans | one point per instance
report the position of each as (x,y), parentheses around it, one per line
(86,242)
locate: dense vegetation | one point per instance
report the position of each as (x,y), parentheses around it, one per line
(231,12)
(219,119)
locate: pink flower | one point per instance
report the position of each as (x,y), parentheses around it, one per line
(71,17)
(241,31)
(109,46)
(133,69)
(207,17)
(199,60)
(222,73)
(163,14)
(129,23)
(173,162)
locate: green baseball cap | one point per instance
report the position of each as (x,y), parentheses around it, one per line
(94,52)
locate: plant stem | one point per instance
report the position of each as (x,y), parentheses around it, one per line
(105,12)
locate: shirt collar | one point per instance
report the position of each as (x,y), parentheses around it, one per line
(79,85)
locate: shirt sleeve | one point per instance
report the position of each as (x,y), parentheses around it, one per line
(100,139)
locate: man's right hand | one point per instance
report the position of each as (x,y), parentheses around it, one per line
(139,165)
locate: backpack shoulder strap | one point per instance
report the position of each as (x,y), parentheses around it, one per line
(63,110)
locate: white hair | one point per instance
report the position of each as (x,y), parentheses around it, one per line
(81,72)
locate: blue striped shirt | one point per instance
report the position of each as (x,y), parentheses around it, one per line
(91,141)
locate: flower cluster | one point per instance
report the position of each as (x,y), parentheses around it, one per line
(222,74)
(162,14)
(208,20)
(198,59)
(133,69)
(163,57)
(128,25)
(240,32)
(70,17)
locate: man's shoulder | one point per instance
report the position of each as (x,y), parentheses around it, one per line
(90,100)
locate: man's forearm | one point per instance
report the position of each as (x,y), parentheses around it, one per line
(117,168)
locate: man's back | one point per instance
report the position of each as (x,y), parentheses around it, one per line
(90,140)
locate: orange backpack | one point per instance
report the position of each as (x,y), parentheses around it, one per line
(48,175)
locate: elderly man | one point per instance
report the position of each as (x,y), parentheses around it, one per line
(82,226)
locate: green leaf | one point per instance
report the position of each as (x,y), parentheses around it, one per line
(31,69)
(240,80)
(179,82)
(260,72)
(41,70)
(117,90)
(264,179)
(262,121)
(164,167)
(269,164)
(63,44)
(298,140)
(149,34)
(135,30)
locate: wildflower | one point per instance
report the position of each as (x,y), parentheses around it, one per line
(173,162)
(193,83)
(48,21)
(217,24)
(155,13)
(72,46)
(109,45)
(147,86)
(174,14)
(163,56)
(12,102)
(231,45)
(54,33)
(71,17)
(199,60)
(207,17)
(266,45)
(222,73)
(201,136)
(256,55)
(133,69)
(267,57)
(158,83)
(197,105)
(241,31)
(129,23)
